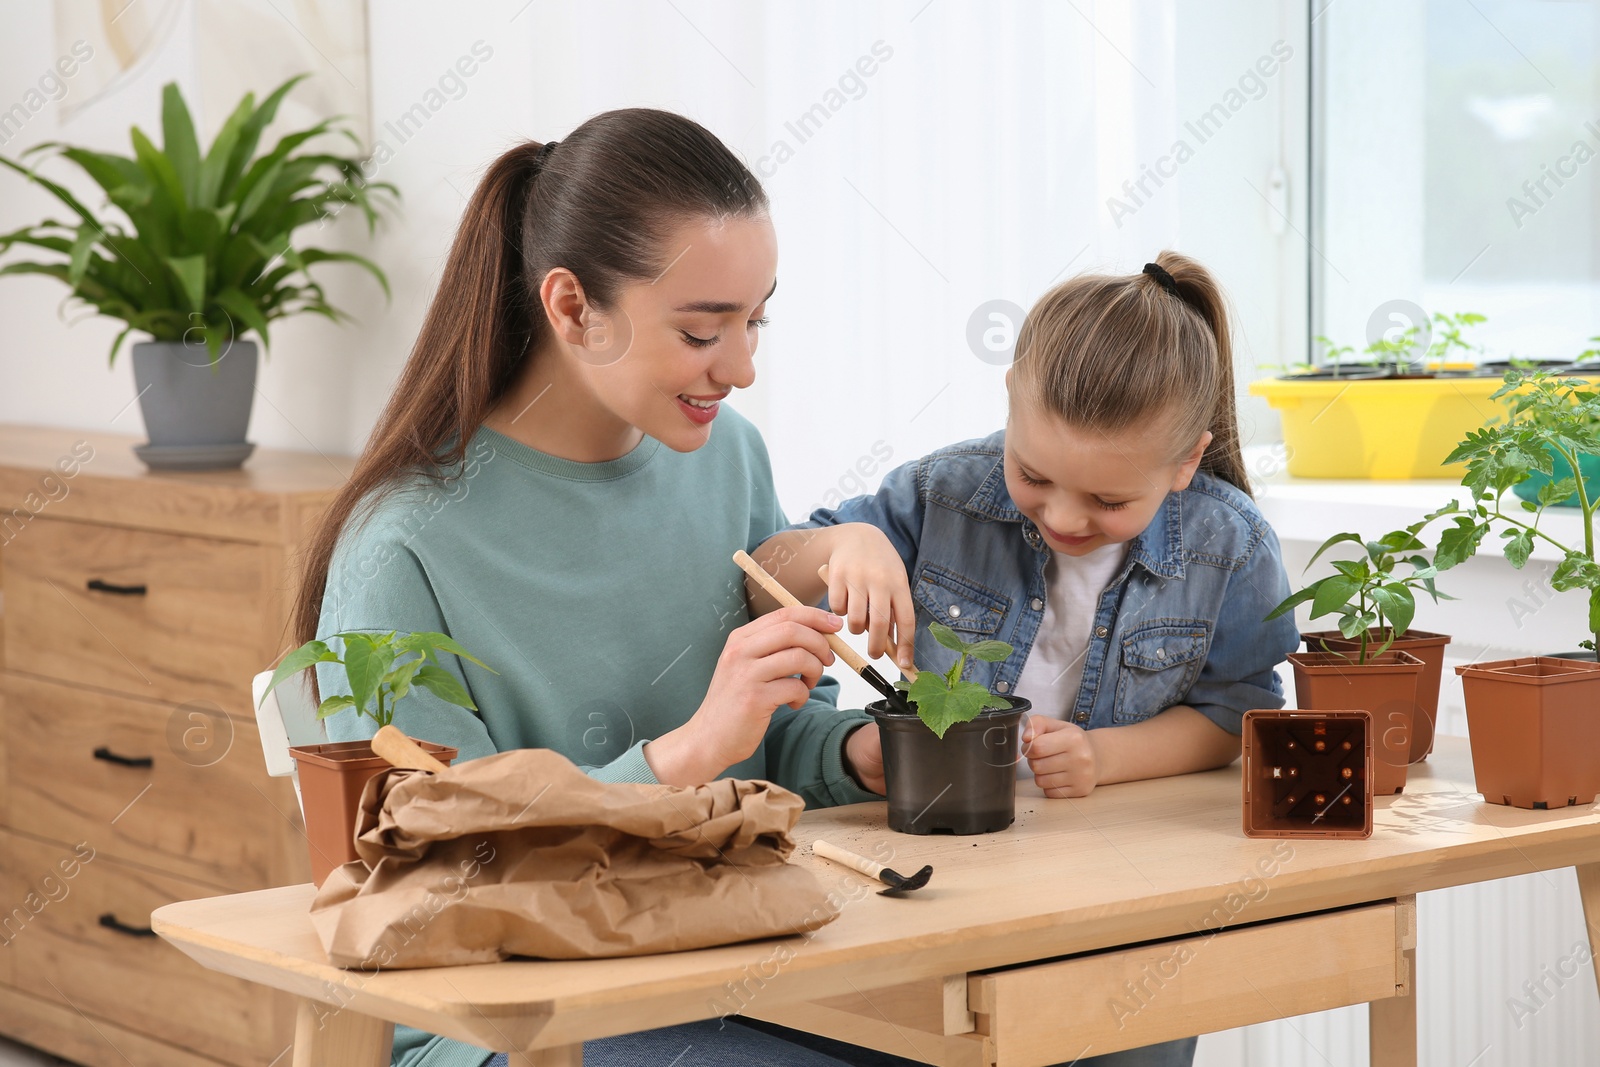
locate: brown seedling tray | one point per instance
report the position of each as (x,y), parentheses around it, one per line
(1308,773)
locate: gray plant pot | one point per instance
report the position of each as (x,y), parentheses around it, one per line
(196,414)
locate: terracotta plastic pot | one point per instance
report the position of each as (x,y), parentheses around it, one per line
(1428,647)
(1534,724)
(962,783)
(1385,685)
(1307,773)
(331,779)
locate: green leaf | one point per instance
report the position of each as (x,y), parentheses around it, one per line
(426,642)
(962,703)
(1336,539)
(1519,546)
(947,637)
(307,655)
(1594,611)
(399,679)
(990,651)
(1459,543)
(1333,594)
(1292,602)
(1397,604)
(442,684)
(333,705)
(1557,491)
(366,660)
(82,246)
(178,141)
(191,274)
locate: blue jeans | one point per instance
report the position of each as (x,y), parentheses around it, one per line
(745,1043)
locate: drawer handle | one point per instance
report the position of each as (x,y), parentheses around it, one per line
(99,586)
(127,761)
(110,922)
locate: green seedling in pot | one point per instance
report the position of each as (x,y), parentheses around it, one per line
(383,669)
(1370,593)
(1447,335)
(1551,417)
(943,700)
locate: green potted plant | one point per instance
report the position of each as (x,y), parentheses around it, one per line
(383,669)
(1397,415)
(1532,721)
(200,256)
(1376,601)
(950,755)
(1358,666)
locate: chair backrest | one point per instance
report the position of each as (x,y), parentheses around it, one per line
(286,717)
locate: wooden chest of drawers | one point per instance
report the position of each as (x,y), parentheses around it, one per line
(136,608)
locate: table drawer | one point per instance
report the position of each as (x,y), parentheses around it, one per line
(158,615)
(76,930)
(1108,1001)
(180,788)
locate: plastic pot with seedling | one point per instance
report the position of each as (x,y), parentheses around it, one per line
(1365,663)
(382,669)
(950,759)
(1533,720)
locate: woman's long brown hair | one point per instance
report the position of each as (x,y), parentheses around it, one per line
(598,203)
(1110,352)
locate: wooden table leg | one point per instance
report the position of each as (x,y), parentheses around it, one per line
(565,1056)
(325,1036)
(1589,892)
(1392,1022)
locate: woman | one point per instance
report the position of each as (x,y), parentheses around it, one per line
(554,484)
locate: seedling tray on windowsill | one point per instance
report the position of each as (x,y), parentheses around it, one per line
(1308,774)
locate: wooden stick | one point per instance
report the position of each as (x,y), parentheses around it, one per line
(401,751)
(776,590)
(829,851)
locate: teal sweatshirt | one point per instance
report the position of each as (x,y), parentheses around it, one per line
(602,593)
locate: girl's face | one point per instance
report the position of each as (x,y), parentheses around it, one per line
(669,349)
(1085,489)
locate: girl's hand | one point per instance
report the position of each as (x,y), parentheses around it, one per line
(1062,757)
(754,677)
(863,758)
(867,584)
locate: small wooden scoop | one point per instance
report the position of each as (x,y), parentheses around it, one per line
(852,658)
(394,746)
(898,883)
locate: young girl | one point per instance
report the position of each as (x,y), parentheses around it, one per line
(1108,533)
(555,484)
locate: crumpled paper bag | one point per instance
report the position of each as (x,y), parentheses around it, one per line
(522,854)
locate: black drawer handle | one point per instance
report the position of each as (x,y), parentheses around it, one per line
(109,921)
(99,586)
(127,761)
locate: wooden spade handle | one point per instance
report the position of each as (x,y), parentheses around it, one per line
(401,751)
(849,859)
(776,590)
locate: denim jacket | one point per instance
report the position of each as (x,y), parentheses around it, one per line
(1181,623)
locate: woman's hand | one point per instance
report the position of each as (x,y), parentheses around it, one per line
(1062,757)
(867,584)
(754,677)
(863,758)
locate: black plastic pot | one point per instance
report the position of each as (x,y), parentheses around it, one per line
(962,783)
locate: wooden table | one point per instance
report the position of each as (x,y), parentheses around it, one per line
(1136,915)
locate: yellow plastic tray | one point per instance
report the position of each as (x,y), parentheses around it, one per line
(1378,429)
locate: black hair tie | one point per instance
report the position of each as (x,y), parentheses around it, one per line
(1166,281)
(543,155)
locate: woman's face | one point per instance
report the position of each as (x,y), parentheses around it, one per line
(1083,489)
(670,348)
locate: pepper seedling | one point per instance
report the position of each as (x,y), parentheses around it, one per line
(377,683)
(943,700)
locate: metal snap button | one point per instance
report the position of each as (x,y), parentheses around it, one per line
(955,611)
(1002,687)
(1101,631)
(1036,604)
(1161,653)
(1082,716)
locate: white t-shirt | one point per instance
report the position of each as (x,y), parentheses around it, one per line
(1053,670)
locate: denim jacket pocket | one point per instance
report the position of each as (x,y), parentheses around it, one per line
(969,609)
(1160,662)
